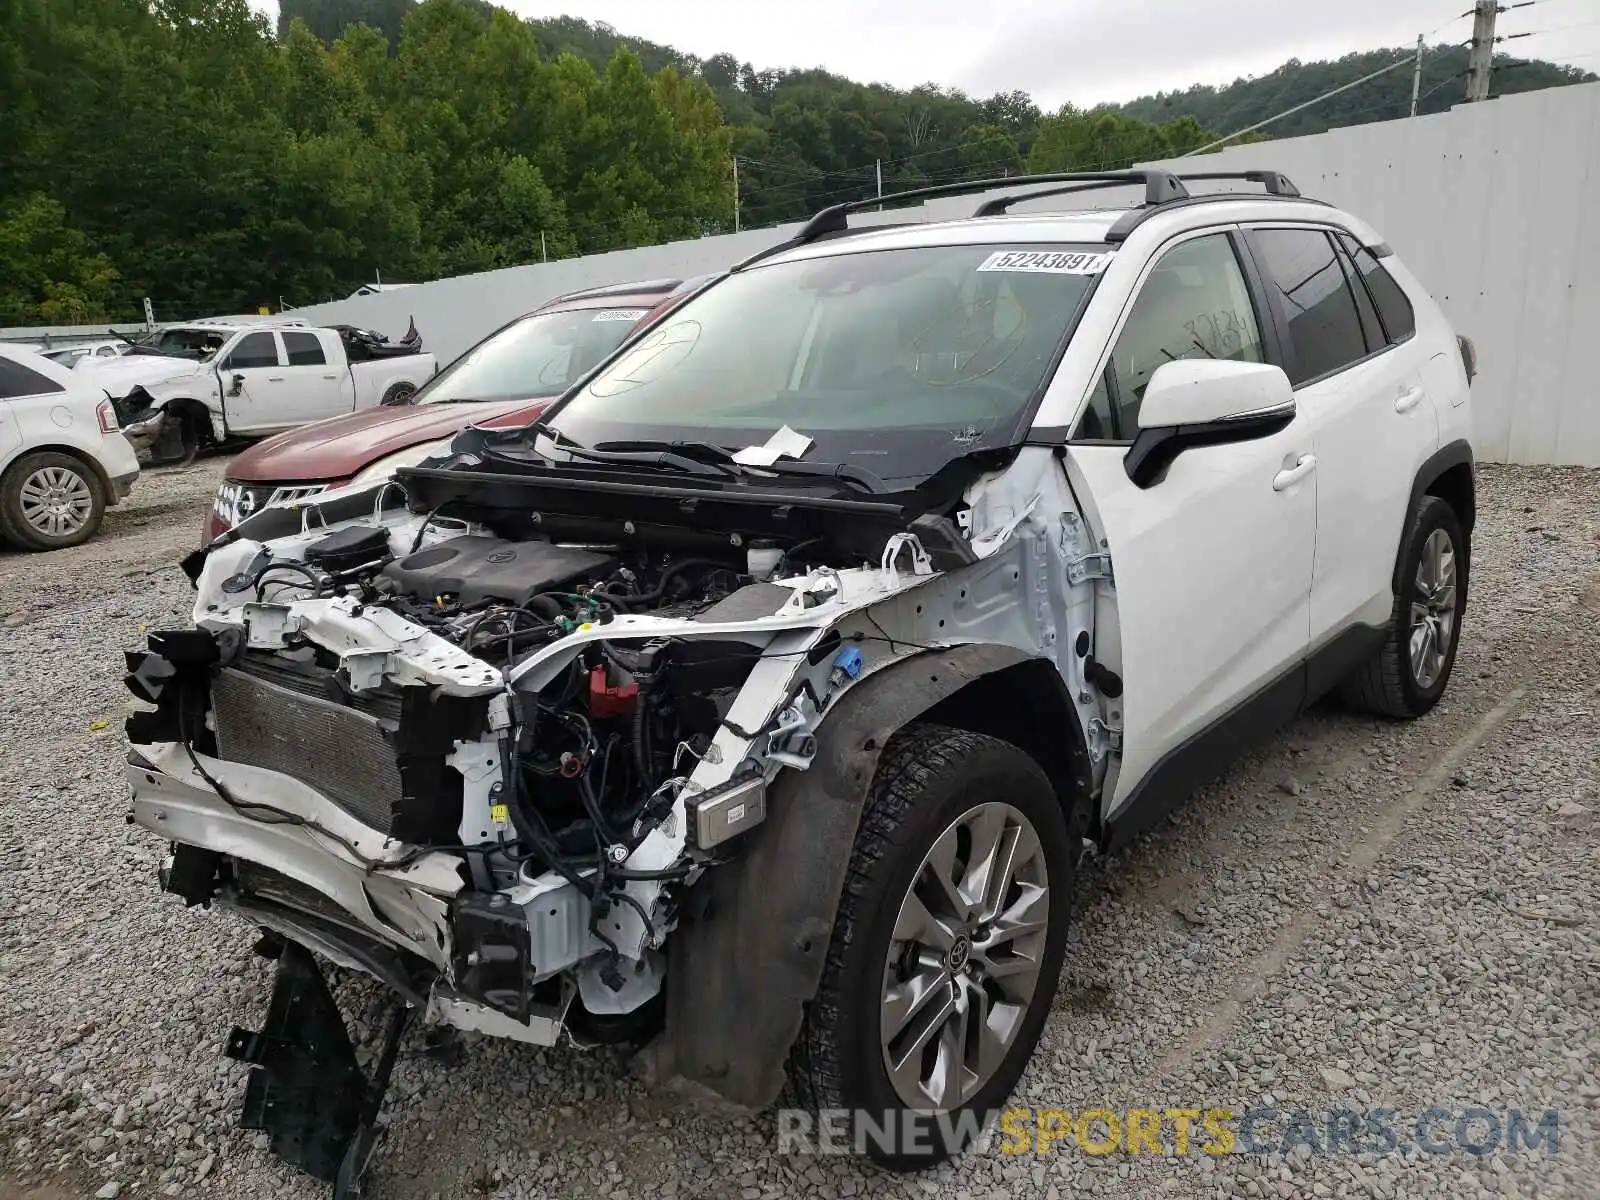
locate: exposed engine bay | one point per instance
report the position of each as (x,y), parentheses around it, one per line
(486,760)
(542,776)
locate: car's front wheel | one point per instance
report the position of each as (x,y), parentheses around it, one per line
(946,949)
(1408,674)
(49,501)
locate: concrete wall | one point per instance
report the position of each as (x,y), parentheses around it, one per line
(56,336)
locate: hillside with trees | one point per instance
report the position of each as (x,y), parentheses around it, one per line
(180,150)
(1243,102)
(186,151)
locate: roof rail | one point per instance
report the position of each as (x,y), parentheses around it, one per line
(1160,187)
(1275,183)
(1277,187)
(998,205)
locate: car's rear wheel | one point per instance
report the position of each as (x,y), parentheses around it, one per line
(946,949)
(50,500)
(1410,671)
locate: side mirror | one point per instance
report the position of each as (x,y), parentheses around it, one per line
(238,385)
(1205,402)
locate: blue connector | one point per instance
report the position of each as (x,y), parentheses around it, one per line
(846,666)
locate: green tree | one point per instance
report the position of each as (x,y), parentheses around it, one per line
(186,151)
(47,272)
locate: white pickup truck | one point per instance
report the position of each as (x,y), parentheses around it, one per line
(215,384)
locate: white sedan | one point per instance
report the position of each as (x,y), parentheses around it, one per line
(86,354)
(63,459)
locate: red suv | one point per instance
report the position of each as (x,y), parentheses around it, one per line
(504,381)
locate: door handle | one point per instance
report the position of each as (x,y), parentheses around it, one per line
(274,378)
(330,377)
(1285,480)
(1408,399)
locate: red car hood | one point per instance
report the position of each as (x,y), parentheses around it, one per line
(341,446)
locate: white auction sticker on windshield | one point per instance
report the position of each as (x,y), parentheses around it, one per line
(620,314)
(1049,262)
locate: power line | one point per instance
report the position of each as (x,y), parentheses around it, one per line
(768,165)
(1408,60)
(1451,21)
(1557,29)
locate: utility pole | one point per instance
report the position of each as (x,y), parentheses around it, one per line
(1481,61)
(736,193)
(877,167)
(1416,77)
(543,257)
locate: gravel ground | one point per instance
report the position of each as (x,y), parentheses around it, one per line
(1362,916)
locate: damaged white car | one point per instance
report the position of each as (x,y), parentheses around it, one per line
(756,704)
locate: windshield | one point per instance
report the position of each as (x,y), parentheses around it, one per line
(66,358)
(892,360)
(200,345)
(540,355)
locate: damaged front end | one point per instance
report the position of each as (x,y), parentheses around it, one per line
(484,752)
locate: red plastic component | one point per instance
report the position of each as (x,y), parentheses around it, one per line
(607,699)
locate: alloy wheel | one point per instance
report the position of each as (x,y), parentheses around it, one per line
(965,957)
(56,501)
(1433,609)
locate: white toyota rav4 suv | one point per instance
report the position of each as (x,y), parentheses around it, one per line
(755,703)
(63,459)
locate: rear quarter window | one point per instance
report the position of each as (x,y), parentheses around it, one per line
(17,380)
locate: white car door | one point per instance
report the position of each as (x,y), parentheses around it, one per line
(1369,410)
(317,383)
(254,387)
(1212,563)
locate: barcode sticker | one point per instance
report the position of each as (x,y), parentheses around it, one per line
(1049,262)
(620,314)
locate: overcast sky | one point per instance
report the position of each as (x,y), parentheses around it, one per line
(1083,51)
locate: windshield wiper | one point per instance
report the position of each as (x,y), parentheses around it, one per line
(857,477)
(654,456)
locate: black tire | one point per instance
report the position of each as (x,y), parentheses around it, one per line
(15,527)
(928,777)
(180,439)
(398,394)
(188,446)
(1386,685)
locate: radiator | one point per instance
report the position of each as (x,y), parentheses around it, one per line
(340,751)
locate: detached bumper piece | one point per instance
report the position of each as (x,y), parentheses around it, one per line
(307,1091)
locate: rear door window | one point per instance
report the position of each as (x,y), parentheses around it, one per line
(1394,308)
(1371,327)
(305,349)
(1304,276)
